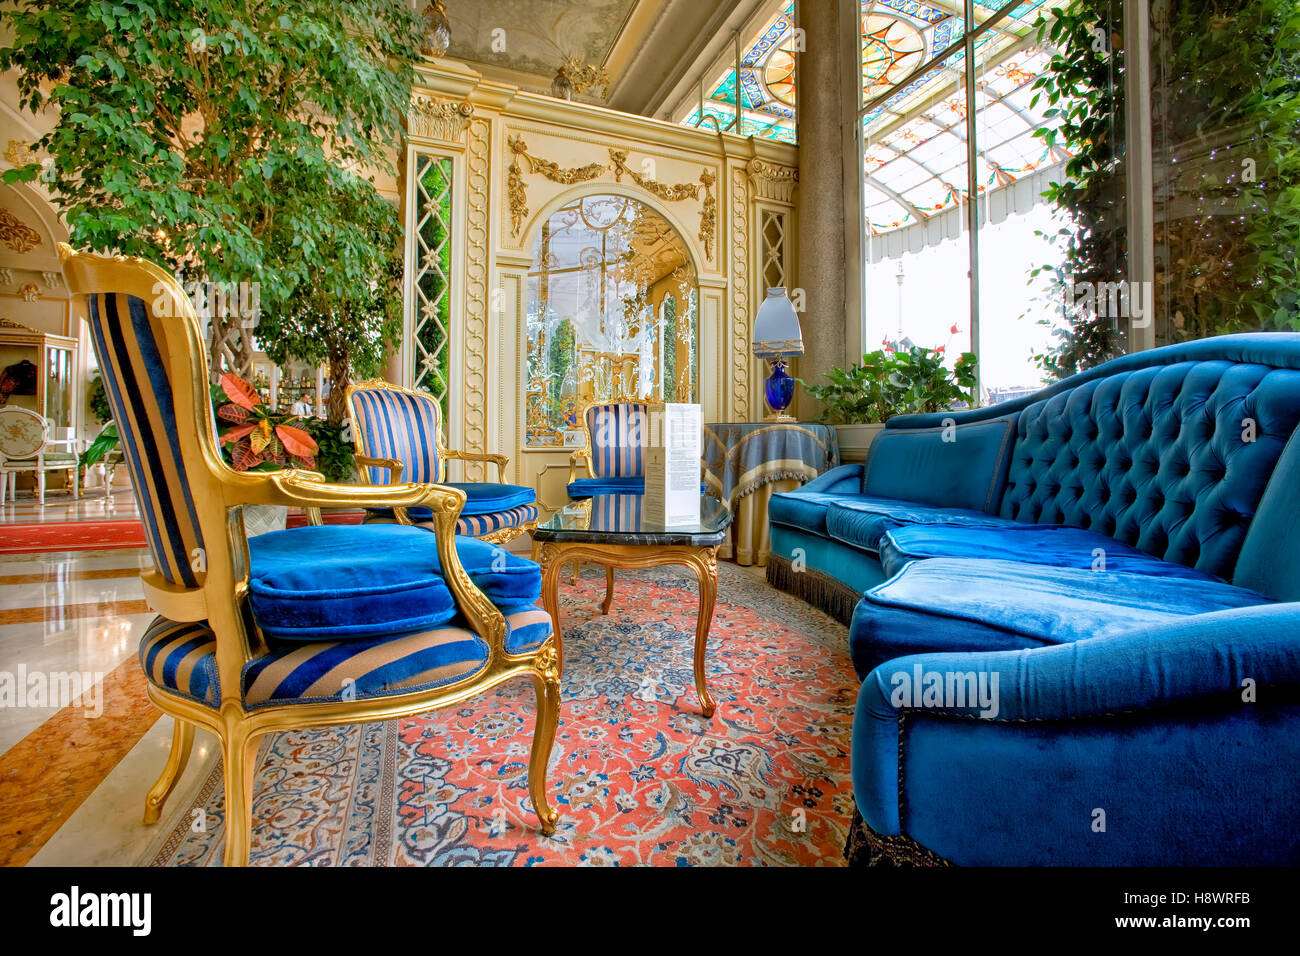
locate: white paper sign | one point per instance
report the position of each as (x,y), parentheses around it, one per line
(672,467)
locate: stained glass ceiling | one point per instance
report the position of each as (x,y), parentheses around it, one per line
(916,137)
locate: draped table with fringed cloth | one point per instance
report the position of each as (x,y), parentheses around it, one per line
(745,463)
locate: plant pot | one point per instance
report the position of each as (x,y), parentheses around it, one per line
(856,439)
(260,519)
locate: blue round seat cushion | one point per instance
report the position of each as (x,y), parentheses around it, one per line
(327,582)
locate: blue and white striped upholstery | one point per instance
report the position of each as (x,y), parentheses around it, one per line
(182,658)
(406,426)
(399,425)
(616,512)
(474,526)
(131,344)
(620,432)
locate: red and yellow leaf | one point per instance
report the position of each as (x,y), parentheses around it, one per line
(244,457)
(233,413)
(236,433)
(239,391)
(296,441)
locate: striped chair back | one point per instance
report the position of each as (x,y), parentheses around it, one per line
(620,432)
(397,423)
(131,344)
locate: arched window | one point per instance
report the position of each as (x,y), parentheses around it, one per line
(612,314)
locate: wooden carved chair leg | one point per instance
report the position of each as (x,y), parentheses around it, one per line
(609,589)
(546,682)
(182,743)
(239,756)
(577,566)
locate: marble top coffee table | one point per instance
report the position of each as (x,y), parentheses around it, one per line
(611,531)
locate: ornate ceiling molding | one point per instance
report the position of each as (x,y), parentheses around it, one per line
(433,118)
(771,181)
(16,234)
(20,154)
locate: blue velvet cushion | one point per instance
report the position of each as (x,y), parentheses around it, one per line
(862,520)
(1053,545)
(955,604)
(481,498)
(591,487)
(354,581)
(959,466)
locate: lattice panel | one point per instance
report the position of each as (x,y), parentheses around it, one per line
(774,245)
(432,278)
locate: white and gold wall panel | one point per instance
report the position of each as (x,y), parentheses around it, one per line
(517,158)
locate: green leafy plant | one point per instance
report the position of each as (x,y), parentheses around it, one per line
(348,326)
(97,399)
(892,381)
(335,455)
(1225,108)
(256,438)
(233,141)
(103,443)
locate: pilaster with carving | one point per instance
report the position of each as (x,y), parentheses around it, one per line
(477,162)
(739,220)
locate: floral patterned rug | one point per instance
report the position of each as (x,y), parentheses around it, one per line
(638,776)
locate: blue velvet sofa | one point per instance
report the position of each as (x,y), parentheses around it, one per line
(1075,616)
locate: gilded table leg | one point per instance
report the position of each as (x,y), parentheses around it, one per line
(706,572)
(609,589)
(550,558)
(182,742)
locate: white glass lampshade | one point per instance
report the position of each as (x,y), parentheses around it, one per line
(776,328)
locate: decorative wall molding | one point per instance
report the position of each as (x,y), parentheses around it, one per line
(478,162)
(432,118)
(52,280)
(739,294)
(708,213)
(770,181)
(6,276)
(668,193)
(16,234)
(517,189)
(19,153)
(29,292)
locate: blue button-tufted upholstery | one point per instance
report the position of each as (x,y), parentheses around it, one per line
(1157,457)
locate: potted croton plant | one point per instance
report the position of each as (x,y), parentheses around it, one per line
(896,379)
(255,438)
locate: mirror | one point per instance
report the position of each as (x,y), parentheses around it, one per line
(612,315)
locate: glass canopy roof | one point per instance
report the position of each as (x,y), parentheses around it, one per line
(916,136)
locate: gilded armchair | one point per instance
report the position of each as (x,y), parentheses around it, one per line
(399,436)
(292,629)
(616,435)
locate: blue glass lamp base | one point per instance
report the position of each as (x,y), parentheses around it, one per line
(779,390)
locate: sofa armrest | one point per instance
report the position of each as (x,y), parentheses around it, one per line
(1205,657)
(842,479)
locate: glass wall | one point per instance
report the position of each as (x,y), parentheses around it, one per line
(1225,105)
(959,136)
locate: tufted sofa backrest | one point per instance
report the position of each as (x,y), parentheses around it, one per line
(1172,459)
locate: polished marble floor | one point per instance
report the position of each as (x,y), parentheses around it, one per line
(80,744)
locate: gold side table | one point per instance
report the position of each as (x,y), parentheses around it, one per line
(608,530)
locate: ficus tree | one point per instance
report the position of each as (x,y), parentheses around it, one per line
(347,328)
(234,141)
